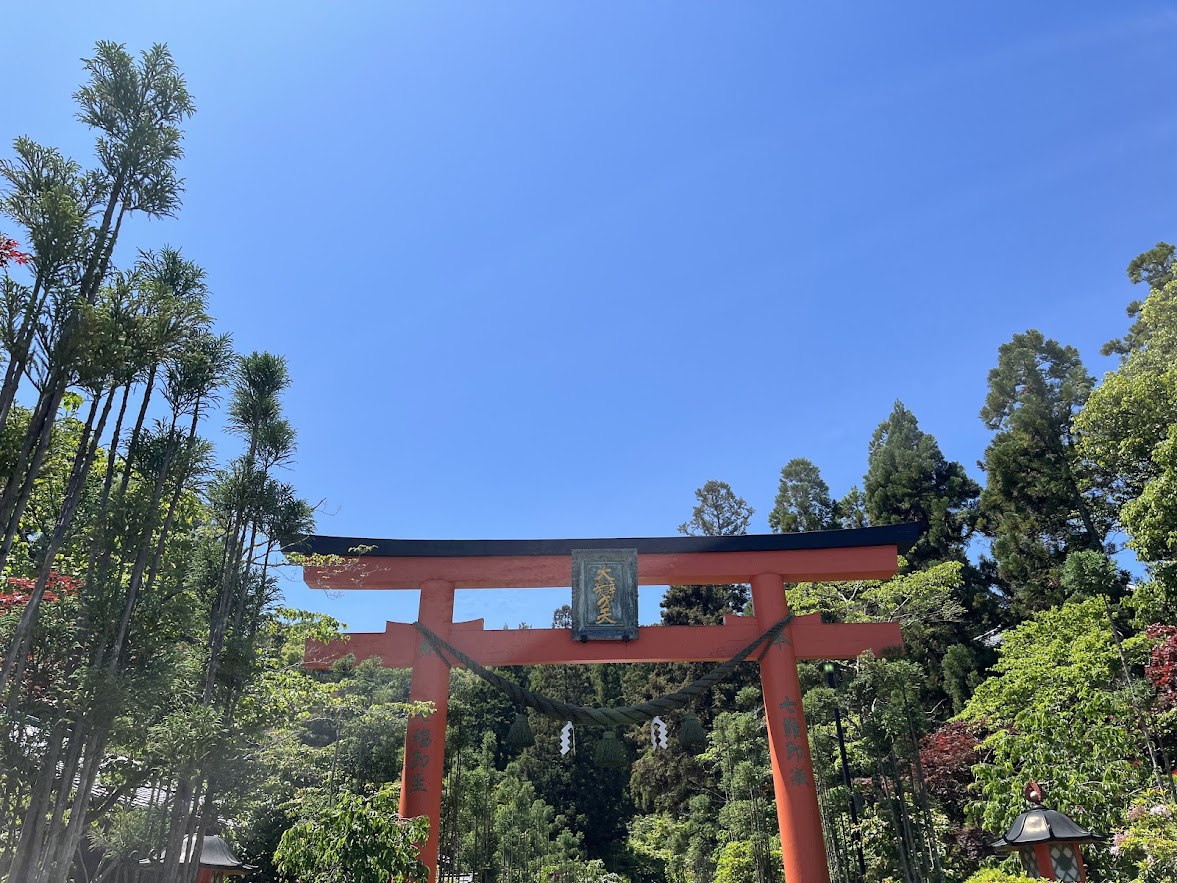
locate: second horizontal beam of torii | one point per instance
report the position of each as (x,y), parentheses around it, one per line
(399,644)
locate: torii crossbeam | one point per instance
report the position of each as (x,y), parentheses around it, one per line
(767,562)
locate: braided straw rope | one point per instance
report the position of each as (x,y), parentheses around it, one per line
(601,717)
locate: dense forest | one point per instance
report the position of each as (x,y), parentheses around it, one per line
(152,679)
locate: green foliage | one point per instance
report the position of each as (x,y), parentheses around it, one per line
(718,512)
(926,603)
(1127,432)
(1090,574)
(159,677)
(1041,501)
(350,838)
(1088,753)
(524,827)
(909,479)
(591,871)
(1153,268)
(912,598)
(739,754)
(737,860)
(1148,844)
(961,675)
(684,843)
(803,501)
(1050,662)
(878,705)
(1055,713)
(1152,517)
(992,875)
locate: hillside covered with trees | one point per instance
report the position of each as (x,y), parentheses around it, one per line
(152,677)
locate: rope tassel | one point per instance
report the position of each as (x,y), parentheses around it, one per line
(610,753)
(691,736)
(520,735)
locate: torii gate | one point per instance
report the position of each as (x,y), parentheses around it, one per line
(767,562)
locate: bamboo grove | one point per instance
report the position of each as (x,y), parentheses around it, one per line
(152,681)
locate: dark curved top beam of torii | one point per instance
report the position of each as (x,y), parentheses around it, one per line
(861,553)
(767,562)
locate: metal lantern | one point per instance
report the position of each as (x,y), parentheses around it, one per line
(1047,841)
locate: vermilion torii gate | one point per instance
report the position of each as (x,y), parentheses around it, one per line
(767,562)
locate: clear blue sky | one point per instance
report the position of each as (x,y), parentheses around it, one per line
(541,269)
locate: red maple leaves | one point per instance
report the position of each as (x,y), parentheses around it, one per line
(21,589)
(948,755)
(9,254)
(1161,669)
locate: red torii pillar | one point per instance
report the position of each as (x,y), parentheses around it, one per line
(767,562)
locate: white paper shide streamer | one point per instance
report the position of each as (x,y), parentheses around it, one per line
(567,738)
(658,733)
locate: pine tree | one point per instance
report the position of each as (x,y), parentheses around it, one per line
(803,501)
(909,479)
(718,513)
(1039,503)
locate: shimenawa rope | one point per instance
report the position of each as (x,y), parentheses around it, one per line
(600,717)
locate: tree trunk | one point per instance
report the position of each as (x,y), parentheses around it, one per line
(18,358)
(24,860)
(181,481)
(62,849)
(137,432)
(107,482)
(23,635)
(146,547)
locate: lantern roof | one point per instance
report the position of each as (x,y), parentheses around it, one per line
(214,853)
(1041,825)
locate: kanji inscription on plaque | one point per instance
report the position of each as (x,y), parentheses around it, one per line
(604,594)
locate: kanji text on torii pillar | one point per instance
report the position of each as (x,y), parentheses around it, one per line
(767,562)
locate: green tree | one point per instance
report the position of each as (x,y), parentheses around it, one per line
(803,501)
(718,513)
(1040,502)
(350,838)
(909,479)
(1128,431)
(882,719)
(524,827)
(73,220)
(738,753)
(851,510)
(1057,711)
(737,863)
(1155,269)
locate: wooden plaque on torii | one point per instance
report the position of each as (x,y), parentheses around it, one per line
(766,561)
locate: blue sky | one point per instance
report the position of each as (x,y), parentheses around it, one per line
(541,269)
